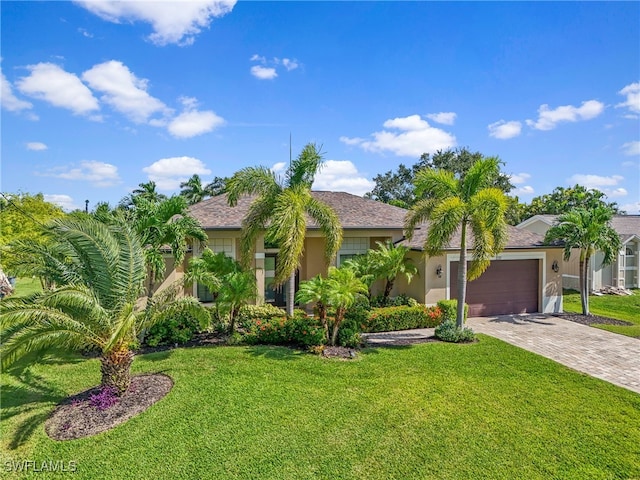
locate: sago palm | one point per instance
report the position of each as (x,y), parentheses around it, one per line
(469,205)
(100,271)
(280,210)
(590,231)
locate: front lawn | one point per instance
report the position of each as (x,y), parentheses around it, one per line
(26,286)
(612,306)
(436,410)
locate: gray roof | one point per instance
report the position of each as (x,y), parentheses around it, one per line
(353,211)
(625,225)
(517,238)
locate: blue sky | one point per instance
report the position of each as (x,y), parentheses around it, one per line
(100,96)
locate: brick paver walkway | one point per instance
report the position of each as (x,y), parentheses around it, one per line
(601,354)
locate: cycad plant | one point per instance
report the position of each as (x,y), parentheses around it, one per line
(99,270)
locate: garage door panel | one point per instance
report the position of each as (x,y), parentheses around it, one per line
(506,287)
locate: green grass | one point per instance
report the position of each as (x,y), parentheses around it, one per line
(611,306)
(485,410)
(26,286)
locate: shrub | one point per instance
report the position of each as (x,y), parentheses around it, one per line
(402,318)
(177,328)
(249,313)
(303,331)
(449,309)
(399,301)
(449,332)
(349,334)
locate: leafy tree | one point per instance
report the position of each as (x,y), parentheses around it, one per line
(461,204)
(588,229)
(280,210)
(396,188)
(389,261)
(343,288)
(22,216)
(561,200)
(316,290)
(95,304)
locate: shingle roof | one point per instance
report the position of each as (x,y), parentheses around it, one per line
(354,212)
(625,225)
(516,239)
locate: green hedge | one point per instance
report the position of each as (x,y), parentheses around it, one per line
(299,330)
(450,309)
(389,319)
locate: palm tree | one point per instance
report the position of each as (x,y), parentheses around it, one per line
(364,268)
(192,190)
(280,210)
(146,191)
(164,226)
(216,187)
(390,261)
(238,289)
(590,231)
(343,288)
(95,304)
(316,290)
(452,204)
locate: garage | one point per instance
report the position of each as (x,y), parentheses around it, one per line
(506,287)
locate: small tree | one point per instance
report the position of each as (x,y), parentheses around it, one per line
(343,288)
(389,261)
(316,290)
(588,230)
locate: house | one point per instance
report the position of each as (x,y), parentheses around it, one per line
(525,263)
(623,272)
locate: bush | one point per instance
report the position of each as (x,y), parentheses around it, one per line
(178,328)
(399,301)
(449,332)
(248,314)
(450,309)
(349,334)
(402,318)
(302,331)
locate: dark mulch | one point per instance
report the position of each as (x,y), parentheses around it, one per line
(395,341)
(591,319)
(339,352)
(76,417)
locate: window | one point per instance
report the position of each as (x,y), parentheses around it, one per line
(352,247)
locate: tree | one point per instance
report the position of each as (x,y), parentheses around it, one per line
(238,289)
(396,188)
(561,200)
(216,187)
(95,304)
(389,261)
(316,290)
(21,218)
(343,288)
(461,204)
(192,190)
(590,231)
(145,191)
(280,210)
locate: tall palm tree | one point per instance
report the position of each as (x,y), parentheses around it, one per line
(161,225)
(192,190)
(590,231)
(452,204)
(343,288)
(280,210)
(389,261)
(146,191)
(95,303)
(216,187)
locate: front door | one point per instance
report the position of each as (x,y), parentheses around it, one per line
(275,295)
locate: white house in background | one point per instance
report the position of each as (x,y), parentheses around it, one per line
(623,272)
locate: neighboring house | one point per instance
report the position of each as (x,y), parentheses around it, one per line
(623,272)
(520,280)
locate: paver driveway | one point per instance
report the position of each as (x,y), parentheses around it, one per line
(601,354)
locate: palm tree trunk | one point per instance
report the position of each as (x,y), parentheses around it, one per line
(336,325)
(322,315)
(116,369)
(291,293)
(584,285)
(387,292)
(462,276)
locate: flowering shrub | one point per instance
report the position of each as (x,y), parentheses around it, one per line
(299,330)
(449,332)
(449,309)
(402,318)
(105,398)
(399,301)
(178,328)
(248,314)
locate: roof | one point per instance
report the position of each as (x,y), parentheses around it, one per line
(516,239)
(353,211)
(627,226)
(548,219)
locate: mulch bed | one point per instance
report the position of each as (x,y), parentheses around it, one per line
(339,352)
(591,319)
(76,417)
(403,342)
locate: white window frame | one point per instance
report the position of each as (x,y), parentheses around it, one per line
(353,246)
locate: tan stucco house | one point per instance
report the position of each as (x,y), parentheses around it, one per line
(623,272)
(525,263)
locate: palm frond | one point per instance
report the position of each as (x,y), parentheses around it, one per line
(439,184)
(480,175)
(444,221)
(304,168)
(288,229)
(419,213)
(251,181)
(329,224)
(253,224)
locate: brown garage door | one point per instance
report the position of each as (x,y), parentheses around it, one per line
(507,286)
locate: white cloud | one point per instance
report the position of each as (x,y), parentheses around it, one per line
(525,190)
(632,92)
(172,22)
(52,84)
(123,90)
(519,178)
(631,208)
(406,136)
(36,146)
(258,58)
(342,176)
(599,182)
(548,119)
(85,33)
(631,148)
(504,130)
(9,100)
(445,118)
(263,73)
(168,173)
(290,64)
(99,174)
(192,122)
(64,201)
(279,167)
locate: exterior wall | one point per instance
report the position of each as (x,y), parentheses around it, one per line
(437,286)
(538,226)
(416,288)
